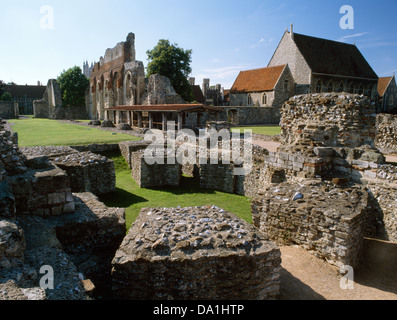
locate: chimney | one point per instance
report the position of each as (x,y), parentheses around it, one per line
(292,31)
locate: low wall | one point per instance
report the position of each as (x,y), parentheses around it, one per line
(250,115)
(327,221)
(193,254)
(9,110)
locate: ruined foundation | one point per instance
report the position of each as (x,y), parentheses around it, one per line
(47,229)
(195,253)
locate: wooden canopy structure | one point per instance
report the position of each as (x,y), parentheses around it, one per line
(158,116)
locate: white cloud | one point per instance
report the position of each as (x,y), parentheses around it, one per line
(352,36)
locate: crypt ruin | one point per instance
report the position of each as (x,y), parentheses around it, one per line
(326,189)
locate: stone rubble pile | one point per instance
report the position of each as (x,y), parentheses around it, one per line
(195,253)
(44,225)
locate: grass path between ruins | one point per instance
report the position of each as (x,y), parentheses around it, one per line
(130,196)
(263,130)
(44,132)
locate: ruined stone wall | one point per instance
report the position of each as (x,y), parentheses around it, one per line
(332,137)
(43,224)
(195,253)
(250,115)
(386,131)
(154,175)
(328,120)
(8,110)
(160,91)
(87,172)
(327,221)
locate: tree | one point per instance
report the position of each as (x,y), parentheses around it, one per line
(73,85)
(6,96)
(173,62)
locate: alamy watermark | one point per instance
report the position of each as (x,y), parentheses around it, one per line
(47,280)
(347,21)
(184,147)
(47,17)
(347,281)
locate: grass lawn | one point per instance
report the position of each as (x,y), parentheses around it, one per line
(41,132)
(267,131)
(44,132)
(128,195)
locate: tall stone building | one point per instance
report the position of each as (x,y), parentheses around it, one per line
(320,65)
(387,90)
(117,79)
(87,69)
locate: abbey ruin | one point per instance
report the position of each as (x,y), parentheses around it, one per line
(326,189)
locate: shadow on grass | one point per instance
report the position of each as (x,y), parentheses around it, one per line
(121,199)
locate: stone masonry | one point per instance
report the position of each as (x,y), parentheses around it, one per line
(195,253)
(386,127)
(328,138)
(328,221)
(44,225)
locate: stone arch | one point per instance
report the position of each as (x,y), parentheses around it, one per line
(264,99)
(249,100)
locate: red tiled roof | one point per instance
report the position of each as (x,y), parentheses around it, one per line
(383,83)
(257,80)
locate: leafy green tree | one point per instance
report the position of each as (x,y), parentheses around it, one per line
(73,85)
(173,62)
(6,96)
(2,86)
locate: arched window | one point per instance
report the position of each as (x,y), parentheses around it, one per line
(318,86)
(249,102)
(360,89)
(351,88)
(368,91)
(330,87)
(340,87)
(264,99)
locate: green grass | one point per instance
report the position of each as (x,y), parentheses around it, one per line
(267,131)
(130,196)
(41,132)
(44,132)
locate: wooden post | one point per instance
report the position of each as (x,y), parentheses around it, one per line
(139,119)
(164,118)
(150,120)
(180,121)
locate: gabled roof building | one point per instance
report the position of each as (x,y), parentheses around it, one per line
(265,87)
(387,90)
(320,65)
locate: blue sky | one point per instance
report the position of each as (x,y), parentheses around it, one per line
(225,36)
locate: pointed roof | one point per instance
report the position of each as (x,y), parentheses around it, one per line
(383,83)
(258,80)
(333,58)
